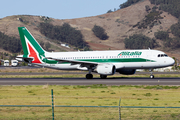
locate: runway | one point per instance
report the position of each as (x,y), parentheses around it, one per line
(83,81)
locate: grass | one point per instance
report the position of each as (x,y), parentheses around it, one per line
(90,95)
(71,74)
(80,76)
(33,70)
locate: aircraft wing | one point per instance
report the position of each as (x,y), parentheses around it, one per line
(73,61)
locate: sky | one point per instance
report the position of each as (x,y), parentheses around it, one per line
(58,9)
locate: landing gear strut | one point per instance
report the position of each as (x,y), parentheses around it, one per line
(89,75)
(151,76)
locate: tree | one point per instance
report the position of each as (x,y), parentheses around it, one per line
(64,33)
(175,66)
(162,35)
(46,29)
(175,42)
(109,11)
(10,44)
(147,8)
(175,29)
(100,32)
(41,43)
(170,6)
(128,3)
(47,45)
(139,41)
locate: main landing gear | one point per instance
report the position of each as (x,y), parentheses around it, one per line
(89,75)
(151,76)
(103,76)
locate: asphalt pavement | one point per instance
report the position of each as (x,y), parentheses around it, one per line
(84,81)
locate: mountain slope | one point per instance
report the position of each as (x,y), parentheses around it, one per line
(118,26)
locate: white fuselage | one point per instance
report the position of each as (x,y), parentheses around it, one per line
(129,59)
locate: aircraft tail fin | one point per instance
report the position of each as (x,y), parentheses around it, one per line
(31,47)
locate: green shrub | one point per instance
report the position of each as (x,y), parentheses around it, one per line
(128,3)
(109,11)
(162,35)
(139,41)
(170,6)
(100,32)
(150,20)
(175,29)
(148,94)
(10,44)
(64,33)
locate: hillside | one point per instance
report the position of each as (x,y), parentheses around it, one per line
(118,25)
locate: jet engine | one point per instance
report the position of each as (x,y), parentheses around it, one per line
(126,71)
(106,69)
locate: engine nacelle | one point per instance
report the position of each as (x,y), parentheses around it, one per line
(126,71)
(106,69)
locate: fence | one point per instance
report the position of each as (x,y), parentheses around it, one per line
(94,112)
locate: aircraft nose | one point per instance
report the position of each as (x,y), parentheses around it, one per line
(171,61)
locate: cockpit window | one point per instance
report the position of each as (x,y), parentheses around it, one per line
(162,55)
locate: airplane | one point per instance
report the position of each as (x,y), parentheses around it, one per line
(102,62)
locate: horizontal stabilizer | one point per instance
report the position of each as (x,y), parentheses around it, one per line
(24,59)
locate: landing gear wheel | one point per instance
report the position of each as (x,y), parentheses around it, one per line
(151,71)
(89,76)
(151,76)
(103,76)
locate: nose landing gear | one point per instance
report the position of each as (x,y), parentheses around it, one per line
(151,76)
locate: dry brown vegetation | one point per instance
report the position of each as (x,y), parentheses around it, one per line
(118,26)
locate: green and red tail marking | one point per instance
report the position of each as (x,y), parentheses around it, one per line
(31,47)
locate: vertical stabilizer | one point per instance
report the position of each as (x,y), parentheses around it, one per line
(31,47)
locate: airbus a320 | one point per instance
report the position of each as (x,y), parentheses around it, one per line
(102,62)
